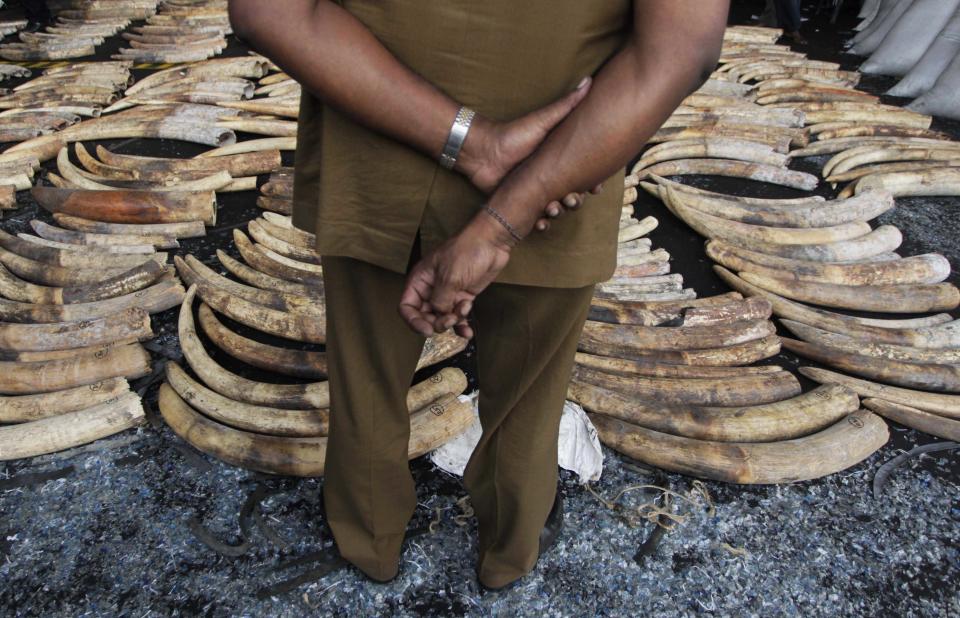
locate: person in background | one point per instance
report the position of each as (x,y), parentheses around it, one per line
(788,18)
(435,141)
(37,14)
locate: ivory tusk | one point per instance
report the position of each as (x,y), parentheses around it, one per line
(851,345)
(128,361)
(914,418)
(863,207)
(128,282)
(621,340)
(71,429)
(935,403)
(193,270)
(781,420)
(272,264)
(838,447)
(161,296)
(255,145)
(291,362)
(907,298)
(26,408)
(925,376)
(749,235)
(264,281)
(293,396)
(184,229)
(928,268)
(943,332)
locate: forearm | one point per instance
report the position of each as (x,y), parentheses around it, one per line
(336,58)
(674,46)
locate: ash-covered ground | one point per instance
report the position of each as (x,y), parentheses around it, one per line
(115,534)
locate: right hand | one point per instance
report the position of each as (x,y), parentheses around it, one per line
(493,149)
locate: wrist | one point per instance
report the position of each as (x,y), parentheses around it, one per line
(495,230)
(478,154)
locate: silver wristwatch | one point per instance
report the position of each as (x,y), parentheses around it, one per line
(458,134)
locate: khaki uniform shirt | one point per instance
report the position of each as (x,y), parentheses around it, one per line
(366,196)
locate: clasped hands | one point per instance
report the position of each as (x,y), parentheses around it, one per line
(441,288)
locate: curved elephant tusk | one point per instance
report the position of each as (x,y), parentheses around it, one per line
(748,235)
(293,396)
(925,376)
(267,282)
(128,282)
(193,270)
(907,298)
(908,416)
(184,229)
(160,296)
(291,362)
(770,422)
(137,207)
(838,447)
(71,429)
(852,345)
(270,263)
(261,233)
(108,242)
(736,169)
(128,360)
(26,408)
(740,391)
(936,403)
(621,340)
(919,269)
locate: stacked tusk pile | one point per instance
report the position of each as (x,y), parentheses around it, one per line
(207,82)
(667,377)
(271,427)
(80,27)
(11,26)
(182,31)
(793,253)
(276,195)
(73,316)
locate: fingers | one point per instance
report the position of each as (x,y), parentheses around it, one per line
(551,115)
(597,189)
(464,329)
(414,308)
(542,225)
(573,200)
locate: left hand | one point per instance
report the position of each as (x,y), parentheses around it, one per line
(442,287)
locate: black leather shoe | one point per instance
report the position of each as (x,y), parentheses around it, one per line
(548,538)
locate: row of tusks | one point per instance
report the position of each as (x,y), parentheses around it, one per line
(279,428)
(819,252)
(179,34)
(666,379)
(76,308)
(672,375)
(72,36)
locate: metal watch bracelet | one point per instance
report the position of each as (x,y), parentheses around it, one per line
(458,134)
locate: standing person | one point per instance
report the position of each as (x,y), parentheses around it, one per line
(433,139)
(788,18)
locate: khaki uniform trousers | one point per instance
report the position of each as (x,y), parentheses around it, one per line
(526,341)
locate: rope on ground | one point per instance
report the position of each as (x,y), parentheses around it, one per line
(650,511)
(466,511)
